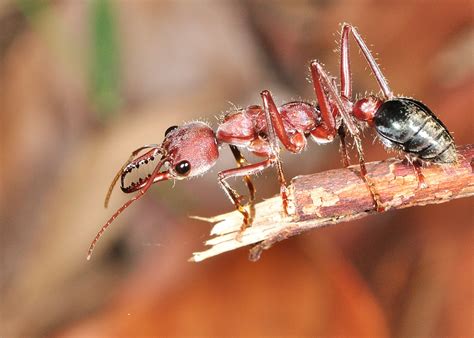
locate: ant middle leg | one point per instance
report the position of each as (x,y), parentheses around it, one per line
(276,128)
(328,128)
(321,79)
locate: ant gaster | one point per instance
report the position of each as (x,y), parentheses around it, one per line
(401,123)
(193,148)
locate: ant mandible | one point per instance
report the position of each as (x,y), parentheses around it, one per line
(193,148)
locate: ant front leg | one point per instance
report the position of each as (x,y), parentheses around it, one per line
(242,162)
(235,198)
(320,78)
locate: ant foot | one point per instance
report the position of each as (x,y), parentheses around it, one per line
(246,223)
(242,229)
(422,184)
(419,175)
(284,200)
(239,235)
(379,207)
(255,252)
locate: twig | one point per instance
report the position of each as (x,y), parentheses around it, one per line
(337,196)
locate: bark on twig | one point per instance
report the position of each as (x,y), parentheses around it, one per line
(337,196)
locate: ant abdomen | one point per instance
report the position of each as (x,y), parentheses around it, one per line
(409,125)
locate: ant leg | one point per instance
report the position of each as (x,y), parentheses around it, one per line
(342,132)
(346,93)
(283,187)
(329,121)
(328,112)
(241,162)
(417,165)
(154,147)
(363,172)
(244,171)
(276,128)
(322,76)
(343,147)
(345,68)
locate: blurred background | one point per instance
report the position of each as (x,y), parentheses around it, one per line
(83,83)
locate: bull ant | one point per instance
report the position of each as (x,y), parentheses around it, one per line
(192,149)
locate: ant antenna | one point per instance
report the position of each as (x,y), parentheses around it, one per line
(123,207)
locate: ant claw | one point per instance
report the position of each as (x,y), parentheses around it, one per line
(239,235)
(422,185)
(380,207)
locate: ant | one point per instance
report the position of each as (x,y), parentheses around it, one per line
(193,148)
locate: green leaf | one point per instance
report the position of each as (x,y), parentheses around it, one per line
(105,59)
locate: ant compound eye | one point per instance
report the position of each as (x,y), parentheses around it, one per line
(183,167)
(170,129)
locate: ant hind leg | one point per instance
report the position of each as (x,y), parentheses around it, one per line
(417,165)
(343,146)
(363,173)
(322,79)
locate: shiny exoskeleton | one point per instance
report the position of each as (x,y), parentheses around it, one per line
(192,149)
(410,126)
(401,123)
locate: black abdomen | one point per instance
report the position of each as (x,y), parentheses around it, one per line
(409,125)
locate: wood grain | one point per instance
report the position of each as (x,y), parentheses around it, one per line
(337,196)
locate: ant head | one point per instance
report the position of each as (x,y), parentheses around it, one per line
(190,150)
(186,151)
(365,109)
